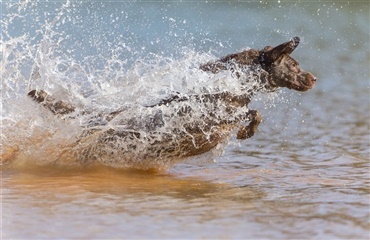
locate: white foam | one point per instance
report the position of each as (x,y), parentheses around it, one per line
(103,83)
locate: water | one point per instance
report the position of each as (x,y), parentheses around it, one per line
(305,174)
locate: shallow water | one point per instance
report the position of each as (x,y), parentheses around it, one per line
(305,174)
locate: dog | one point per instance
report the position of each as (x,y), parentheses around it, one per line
(174,129)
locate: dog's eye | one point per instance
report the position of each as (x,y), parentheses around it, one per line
(294,65)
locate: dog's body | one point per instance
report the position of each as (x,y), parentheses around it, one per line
(193,132)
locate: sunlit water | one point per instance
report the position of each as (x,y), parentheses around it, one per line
(305,174)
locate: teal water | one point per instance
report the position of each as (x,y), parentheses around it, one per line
(305,174)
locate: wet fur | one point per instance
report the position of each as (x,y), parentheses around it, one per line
(276,69)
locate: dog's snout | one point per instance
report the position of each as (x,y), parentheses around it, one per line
(311,77)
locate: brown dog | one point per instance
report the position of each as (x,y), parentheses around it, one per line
(151,143)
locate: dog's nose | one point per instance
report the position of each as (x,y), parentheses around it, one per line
(311,77)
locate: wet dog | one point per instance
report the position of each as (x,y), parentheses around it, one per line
(191,132)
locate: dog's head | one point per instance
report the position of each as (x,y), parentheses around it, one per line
(283,69)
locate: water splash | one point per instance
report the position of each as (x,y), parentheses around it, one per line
(99,75)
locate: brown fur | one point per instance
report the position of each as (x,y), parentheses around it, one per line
(282,70)
(276,68)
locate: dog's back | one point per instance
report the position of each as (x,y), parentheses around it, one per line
(245,58)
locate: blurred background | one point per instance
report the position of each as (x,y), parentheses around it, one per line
(305,174)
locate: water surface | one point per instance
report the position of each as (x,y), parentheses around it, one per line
(305,174)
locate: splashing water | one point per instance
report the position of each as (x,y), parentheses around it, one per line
(100,75)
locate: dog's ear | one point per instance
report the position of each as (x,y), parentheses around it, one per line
(285,48)
(270,54)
